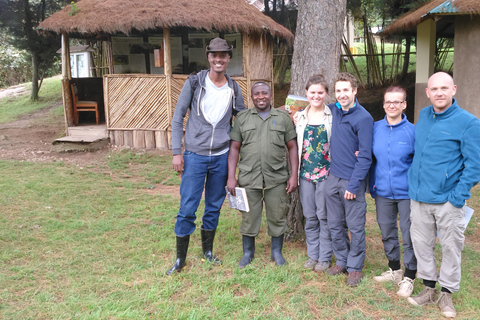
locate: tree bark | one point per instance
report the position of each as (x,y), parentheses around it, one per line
(34,93)
(318,40)
(317,49)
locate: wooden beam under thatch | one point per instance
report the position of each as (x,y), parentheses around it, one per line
(430,10)
(107,16)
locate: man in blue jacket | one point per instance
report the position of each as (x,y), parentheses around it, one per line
(445,167)
(352,131)
(211,99)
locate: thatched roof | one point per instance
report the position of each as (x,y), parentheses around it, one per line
(113,16)
(433,9)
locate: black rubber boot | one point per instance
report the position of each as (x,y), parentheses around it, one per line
(277,245)
(207,246)
(248,251)
(182,248)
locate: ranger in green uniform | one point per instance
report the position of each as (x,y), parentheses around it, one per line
(259,136)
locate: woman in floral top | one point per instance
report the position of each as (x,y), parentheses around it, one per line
(313,135)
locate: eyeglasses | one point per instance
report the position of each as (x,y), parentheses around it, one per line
(395,103)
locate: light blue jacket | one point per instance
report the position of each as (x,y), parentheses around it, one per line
(446,164)
(393,149)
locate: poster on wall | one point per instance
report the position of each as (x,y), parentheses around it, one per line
(235,64)
(155,43)
(128,55)
(196,50)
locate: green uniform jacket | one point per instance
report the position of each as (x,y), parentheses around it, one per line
(262,154)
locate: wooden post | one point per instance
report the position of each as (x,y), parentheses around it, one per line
(161,140)
(118,137)
(66,77)
(246,66)
(109,54)
(139,139)
(167,69)
(150,139)
(128,138)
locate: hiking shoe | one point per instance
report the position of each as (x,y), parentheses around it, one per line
(445,304)
(390,275)
(322,266)
(336,269)
(406,287)
(310,264)
(354,278)
(426,296)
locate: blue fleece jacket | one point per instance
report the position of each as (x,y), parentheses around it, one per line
(393,149)
(446,164)
(351,132)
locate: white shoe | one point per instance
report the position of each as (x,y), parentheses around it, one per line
(406,287)
(390,275)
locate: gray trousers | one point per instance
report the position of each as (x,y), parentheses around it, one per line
(387,212)
(448,220)
(344,215)
(319,241)
(276,206)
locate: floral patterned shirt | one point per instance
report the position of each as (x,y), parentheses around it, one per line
(315,154)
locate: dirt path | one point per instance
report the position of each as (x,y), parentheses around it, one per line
(31,139)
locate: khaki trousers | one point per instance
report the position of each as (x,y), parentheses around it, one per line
(448,220)
(276,206)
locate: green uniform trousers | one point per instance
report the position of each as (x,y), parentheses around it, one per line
(276,207)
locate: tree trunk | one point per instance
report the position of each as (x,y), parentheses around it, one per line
(34,93)
(318,41)
(317,49)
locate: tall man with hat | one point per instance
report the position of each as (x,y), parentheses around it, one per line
(212,98)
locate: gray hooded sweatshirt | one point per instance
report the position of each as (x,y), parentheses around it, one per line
(201,137)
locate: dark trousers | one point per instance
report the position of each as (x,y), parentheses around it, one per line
(342,216)
(388,210)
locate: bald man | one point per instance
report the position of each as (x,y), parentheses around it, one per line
(445,167)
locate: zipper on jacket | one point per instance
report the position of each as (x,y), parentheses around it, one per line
(211,141)
(198,100)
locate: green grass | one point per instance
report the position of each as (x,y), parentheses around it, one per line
(95,243)
(11,108)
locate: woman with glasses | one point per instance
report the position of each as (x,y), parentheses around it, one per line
(393,149)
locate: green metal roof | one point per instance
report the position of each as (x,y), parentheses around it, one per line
(446,7)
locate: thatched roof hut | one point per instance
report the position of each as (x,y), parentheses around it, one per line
(444,18)
(436,9)
(151,46)
(100,17)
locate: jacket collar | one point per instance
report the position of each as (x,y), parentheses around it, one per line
(401,123)
(450,110)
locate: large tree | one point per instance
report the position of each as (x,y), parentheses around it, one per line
(20,18)
(318,39)
(317,49)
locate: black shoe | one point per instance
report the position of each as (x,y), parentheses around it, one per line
(182,248)
(207,246)
(248,251)
(277,245)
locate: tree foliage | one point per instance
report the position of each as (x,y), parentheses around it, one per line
(18,20)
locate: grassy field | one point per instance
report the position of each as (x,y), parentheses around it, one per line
(11,108)
(95,243)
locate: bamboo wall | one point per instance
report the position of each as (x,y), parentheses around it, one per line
(137,111)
